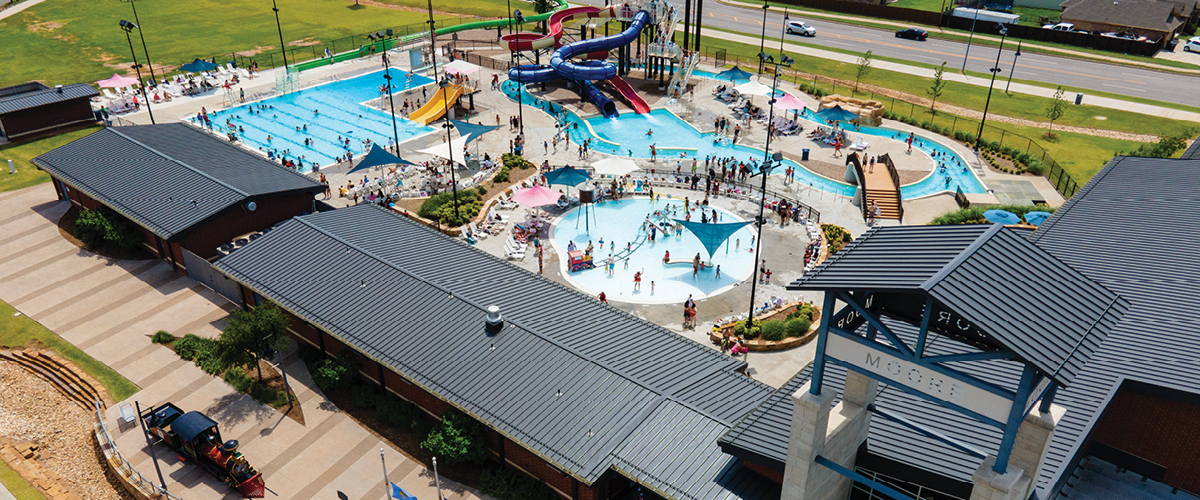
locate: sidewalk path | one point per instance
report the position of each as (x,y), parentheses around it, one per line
(1103,102)
(11,11)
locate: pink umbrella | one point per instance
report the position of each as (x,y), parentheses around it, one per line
(789,101)
(536,196)
(117,81)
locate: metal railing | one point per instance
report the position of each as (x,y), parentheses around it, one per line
(891,168)
(123,467)
(736,189)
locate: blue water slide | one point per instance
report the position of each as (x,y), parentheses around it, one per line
(560,59)
(532,73)
(607,108)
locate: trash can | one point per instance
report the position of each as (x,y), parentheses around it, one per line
(1078,99)
(804,155)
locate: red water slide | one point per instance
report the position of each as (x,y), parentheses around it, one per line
(531,41)
(639,105)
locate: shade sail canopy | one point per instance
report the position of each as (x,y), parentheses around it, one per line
(615,166)
(446,149)
(1001,217)
(472,130)
(1037,218)
(461,67)
(753,88)
(734,73)
(712,235)
(377,156)
(837,114)
(116,82)
(198,65)
(568,175)
(789,101)
(536,196)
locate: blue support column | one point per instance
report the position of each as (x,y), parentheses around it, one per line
(859,478)
(873,321)
(818,371)
(920,347)
(1048,399)
(1015,416)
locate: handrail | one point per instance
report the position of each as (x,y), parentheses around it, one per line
(803,210)
(862,182)
(891,168)
(123,466)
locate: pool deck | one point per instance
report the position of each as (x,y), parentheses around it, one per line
(780,245)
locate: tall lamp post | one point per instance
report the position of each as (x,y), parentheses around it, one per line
(969,39)
(516,13)
(387,76)
(995,69)
(133,3)
(762,39)
(279,28)
(770,161)
(127,27)
(1014,66)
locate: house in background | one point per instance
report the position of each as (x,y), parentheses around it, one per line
(33,107)
(1152,19)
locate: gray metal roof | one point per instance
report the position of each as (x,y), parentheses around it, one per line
(1099,232)
(993,277)
(168,177)
(632,394)
(1192,152)
(35,97)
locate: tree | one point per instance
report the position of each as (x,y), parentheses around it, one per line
(457,439)
(864,68)
(1055,109)
(251,336)
(1166,146)
(939,85)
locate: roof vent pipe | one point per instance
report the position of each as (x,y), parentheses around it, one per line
(58,88)
(494,321)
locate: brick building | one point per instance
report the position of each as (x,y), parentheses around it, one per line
(32,107)
(585,397)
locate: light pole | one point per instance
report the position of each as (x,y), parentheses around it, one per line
(768,164)
(127,27)
(387,76)
(516,13)
(132,3)
(278,27)
(449,144)
(1014,67)
(969,38)
(762,39)
(437,479)
(995,69)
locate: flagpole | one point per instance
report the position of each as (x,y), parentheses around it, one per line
(387,487)
(437,480)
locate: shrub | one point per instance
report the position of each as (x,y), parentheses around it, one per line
(501,176)
(504,484)
(974,215)
(364,396)
(739,328)
(441,207)
(797,327)
(481,190)
(467,210)
(392,410)
(267,395)
(90,228)
(773,331)
(515,162)
(335,373)
(94,227)
(237,378)
(457,439)
(310,354)
(186,347)
(162,337)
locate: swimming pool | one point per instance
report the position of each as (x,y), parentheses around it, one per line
(341,113)
(619,223)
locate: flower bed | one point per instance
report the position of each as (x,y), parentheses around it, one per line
(722,330)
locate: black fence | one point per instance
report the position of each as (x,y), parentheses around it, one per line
(1076,38)
(877,9)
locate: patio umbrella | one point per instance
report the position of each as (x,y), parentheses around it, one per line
(377,157)
(712,235)
(471,130)
(615,167)
(198,66)
(568,175)
(1036,218)
(733,74)
(837,114)
(753,88)
(117,81)
(461,67)
(1001,217)
(445,149)
(536,196)
(789,101)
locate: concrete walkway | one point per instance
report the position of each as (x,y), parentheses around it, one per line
(1059,50)
(1021,88)
(12,11)
(110,308)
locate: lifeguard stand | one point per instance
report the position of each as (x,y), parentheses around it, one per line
(973,318)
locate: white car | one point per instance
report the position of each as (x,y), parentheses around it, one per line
(1192,45)
(1060,27)
(800,28)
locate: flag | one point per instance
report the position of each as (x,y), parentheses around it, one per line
(398,492)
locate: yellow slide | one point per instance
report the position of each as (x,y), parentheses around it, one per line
(436,107)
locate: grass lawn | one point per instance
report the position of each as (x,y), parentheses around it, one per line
(1031,15)
(68,41)
(487,8)
(19,331)
(17,485)
(929,5)
(20,153)
(973,97)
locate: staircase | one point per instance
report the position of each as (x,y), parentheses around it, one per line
(883,187)
(679,81)
(71,382)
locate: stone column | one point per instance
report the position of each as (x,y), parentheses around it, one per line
(810,421)
(1025,462)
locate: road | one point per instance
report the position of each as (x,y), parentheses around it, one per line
(1076,73)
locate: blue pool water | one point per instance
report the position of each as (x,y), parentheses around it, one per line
(619,223)
(341,114)
(625,136)
(699,73)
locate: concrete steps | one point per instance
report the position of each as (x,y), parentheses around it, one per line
(68,380)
